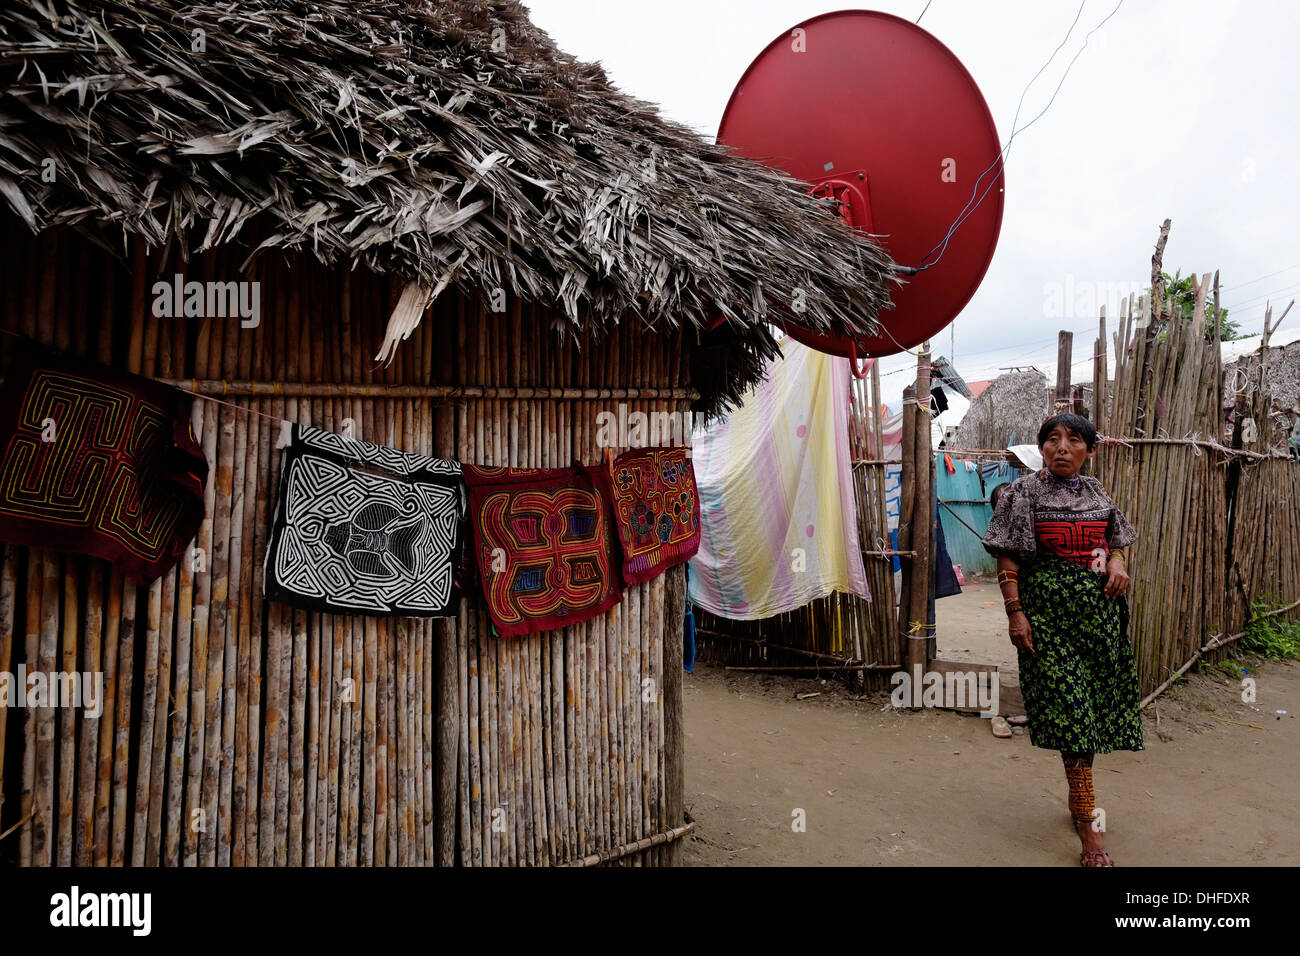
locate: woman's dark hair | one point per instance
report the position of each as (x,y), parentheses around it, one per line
(1073,423)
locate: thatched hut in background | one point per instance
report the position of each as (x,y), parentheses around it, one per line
(525,247)
(1281,374)
(1012,407)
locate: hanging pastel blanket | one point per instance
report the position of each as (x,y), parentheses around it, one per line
(99,462)
(543,544)
(362,528)
(776,479)
(656,510)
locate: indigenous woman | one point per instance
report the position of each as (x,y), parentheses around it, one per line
(1059,541)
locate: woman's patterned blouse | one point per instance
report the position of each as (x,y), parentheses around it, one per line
(1040,515)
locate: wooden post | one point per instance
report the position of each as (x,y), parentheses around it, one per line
(1153,318)
(1099,418)
(922,519)
(446,656)
(1064,352)
(674,723)
(907,496)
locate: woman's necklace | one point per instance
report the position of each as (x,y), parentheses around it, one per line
(1074,484)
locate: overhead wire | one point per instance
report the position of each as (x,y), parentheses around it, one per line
(967,210)
(1261,278)
(978,198)
(999,161)
(1263,297)
(1001,155)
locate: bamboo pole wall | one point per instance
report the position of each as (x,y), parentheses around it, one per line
(1187,588)
(241,732)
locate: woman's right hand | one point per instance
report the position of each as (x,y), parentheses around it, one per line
(1021,633)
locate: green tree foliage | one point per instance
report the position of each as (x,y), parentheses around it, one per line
(1181,293)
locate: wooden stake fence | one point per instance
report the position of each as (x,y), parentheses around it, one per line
(1211,538)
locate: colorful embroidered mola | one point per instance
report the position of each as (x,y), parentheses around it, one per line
(656,510)
(543,544)
(99,462)
(362,528)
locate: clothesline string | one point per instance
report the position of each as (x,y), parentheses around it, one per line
(208,398)
(242,408)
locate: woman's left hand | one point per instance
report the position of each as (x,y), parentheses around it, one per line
(1116,578)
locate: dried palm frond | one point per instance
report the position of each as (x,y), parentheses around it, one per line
(443,142)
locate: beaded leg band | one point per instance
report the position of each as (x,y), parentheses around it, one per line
(1078,774)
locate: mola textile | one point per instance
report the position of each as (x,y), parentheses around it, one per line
(97,461)
(362,528)
(776,494)
(543,545)
(656,510)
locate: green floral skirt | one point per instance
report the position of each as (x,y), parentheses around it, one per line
(1080,684)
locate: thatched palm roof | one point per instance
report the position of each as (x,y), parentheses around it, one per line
(443,141)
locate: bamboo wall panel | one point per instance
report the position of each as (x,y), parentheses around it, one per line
(240,732)
(1187,586)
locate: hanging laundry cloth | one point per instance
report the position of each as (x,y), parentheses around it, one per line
(779,515)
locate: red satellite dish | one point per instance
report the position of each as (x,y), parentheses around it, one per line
(874,111)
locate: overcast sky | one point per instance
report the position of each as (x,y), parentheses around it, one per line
(1184,109)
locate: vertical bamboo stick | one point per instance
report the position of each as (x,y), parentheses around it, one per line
(8,590)
(219,616)
(374,819)
(292,625)
(449,700)
(27,806)
(328,801)
(269,727)
(360,668)
(297,743)
(674,724)
(122,720)
(43,850)
(395,701)
(90,727)
(148,708)
(235,783)
(67,713)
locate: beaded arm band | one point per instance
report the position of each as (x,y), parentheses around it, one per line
(1013,606)
(1007,575)
(1118,553)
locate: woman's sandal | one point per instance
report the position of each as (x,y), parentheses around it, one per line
(1095,858)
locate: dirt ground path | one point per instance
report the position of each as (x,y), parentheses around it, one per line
(1215,785)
